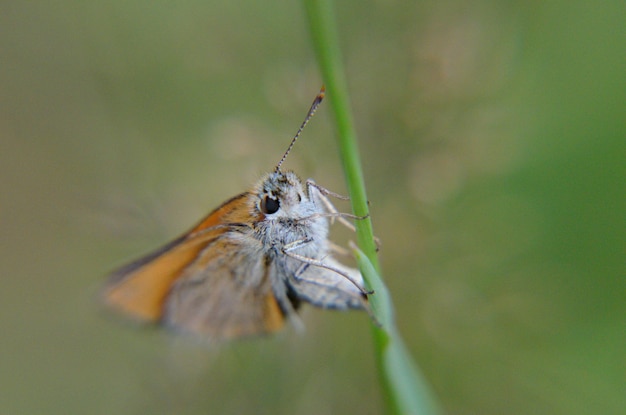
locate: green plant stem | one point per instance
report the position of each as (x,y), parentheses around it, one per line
(404,389)
(324,40)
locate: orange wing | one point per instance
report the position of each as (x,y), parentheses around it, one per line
(140,288)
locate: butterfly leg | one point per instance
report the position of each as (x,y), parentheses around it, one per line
(327,283)
(321,193)
(323,287)
(335,268)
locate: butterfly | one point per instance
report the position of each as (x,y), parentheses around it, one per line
(248,266)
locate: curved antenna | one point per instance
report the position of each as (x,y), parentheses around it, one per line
(316,102)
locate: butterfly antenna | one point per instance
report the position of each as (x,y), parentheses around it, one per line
(316,102)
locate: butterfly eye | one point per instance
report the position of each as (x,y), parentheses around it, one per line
(269,205)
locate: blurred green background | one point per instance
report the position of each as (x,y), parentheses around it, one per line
(493,141)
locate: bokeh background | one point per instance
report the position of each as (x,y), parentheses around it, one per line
(493,140)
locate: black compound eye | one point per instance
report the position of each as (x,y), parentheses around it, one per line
(269,205)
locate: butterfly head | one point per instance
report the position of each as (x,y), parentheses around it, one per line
(281,194)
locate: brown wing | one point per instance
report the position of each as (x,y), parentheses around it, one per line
(140,288)
(226,293)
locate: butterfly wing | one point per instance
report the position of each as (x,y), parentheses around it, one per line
(199,268)
(325,288)
(226,293)
(139,289)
